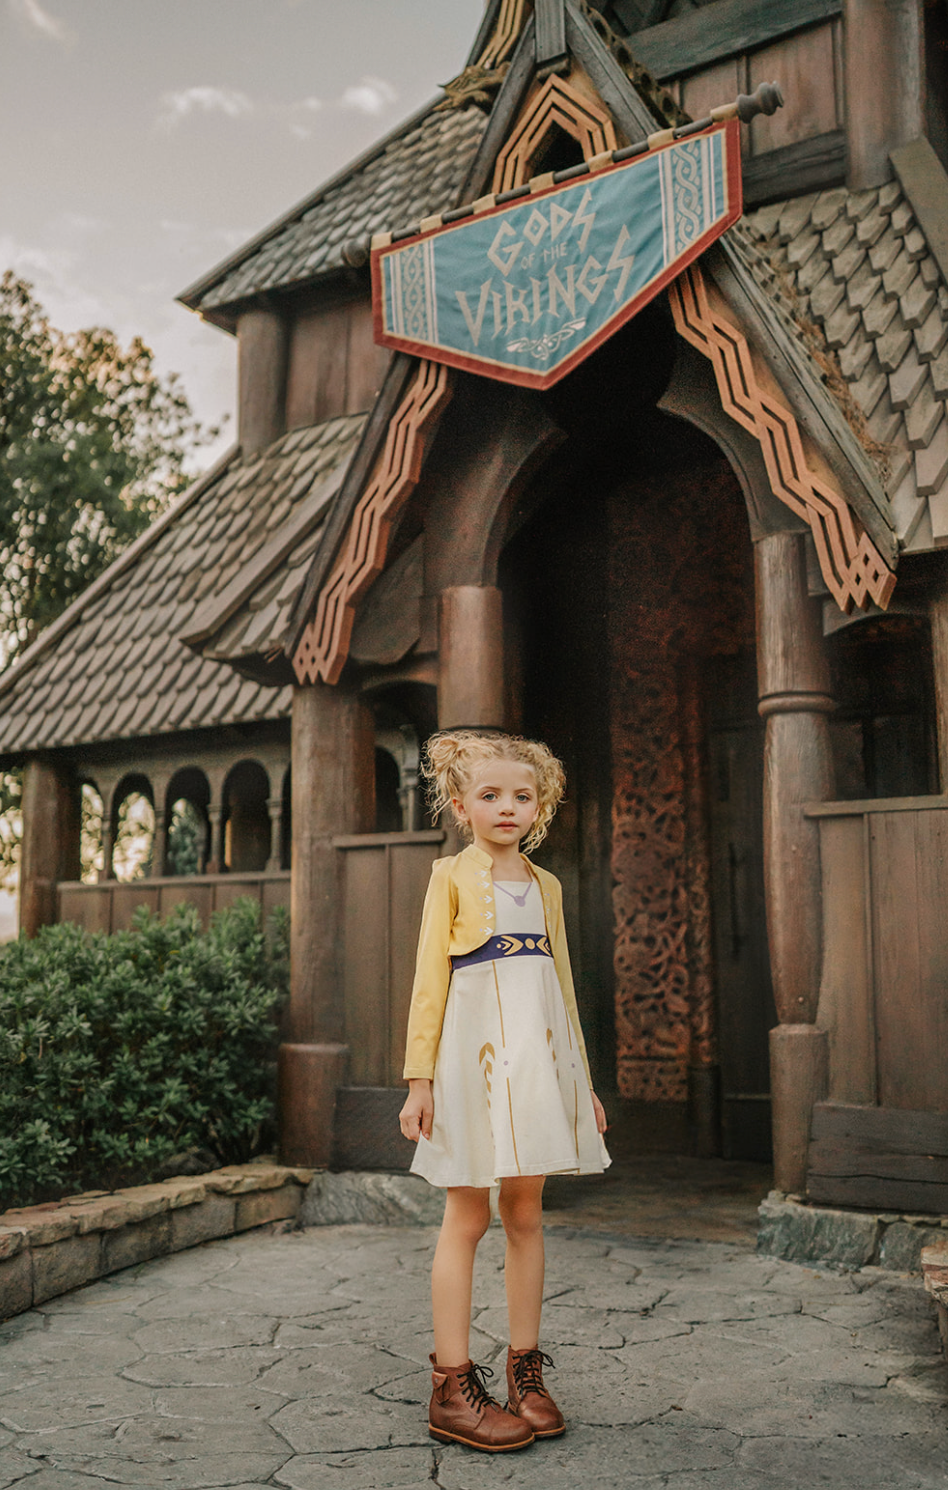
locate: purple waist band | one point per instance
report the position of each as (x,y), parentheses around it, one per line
(497,948)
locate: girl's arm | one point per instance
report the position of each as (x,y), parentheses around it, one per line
(565,974)
(416,1115)
(432,975)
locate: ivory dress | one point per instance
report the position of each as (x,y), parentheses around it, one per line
(510,1090)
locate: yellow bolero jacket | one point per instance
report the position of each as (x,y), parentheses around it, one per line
(458,917)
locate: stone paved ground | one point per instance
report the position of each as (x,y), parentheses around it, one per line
(299,1360)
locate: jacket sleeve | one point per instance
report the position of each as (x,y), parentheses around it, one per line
(432,974)
(565,974)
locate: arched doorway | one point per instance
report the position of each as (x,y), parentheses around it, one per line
(629,612)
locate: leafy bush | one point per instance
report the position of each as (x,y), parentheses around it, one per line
(118,1051)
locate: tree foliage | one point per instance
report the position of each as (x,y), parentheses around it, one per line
(92,444)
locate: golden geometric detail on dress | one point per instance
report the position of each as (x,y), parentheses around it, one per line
(555,105)
(513,1131)
(851,565)
(549,1041)
(505,34)
(486,1059)
(500,1007)
(693,600)
(324,644)
(509,946)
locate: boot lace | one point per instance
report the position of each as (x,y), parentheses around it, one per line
(474,1387)
(528,1372)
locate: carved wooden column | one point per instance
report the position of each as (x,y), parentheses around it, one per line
(471,657)
(50,847)
(261,374)
(795,701)
(884,84)
(333,744)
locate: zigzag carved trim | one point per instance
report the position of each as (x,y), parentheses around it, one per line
(554,105)
(324,645)
(852,566)
(504,38)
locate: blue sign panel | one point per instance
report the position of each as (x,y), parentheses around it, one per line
(524,292)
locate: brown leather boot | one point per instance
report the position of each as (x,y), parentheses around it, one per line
(463,1411)
(528,1397)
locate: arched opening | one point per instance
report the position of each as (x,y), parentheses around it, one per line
(388,812)
(405,715)
(133,828)
(246,818)
(286,820)
(629,618)
(188,827)
(883,731)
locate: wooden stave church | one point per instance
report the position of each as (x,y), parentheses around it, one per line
(674,638)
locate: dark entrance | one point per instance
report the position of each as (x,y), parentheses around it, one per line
(629,612)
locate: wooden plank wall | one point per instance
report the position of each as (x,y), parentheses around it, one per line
(882,1139)
(384,879)
(334,365)
(885,938)
(708,57)
(878,1157)
(111,905)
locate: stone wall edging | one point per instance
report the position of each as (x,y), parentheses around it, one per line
(51,1248)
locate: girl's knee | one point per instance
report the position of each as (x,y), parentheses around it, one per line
(521,1212)
(467,1215)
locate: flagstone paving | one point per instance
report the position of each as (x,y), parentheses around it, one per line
(300,1360)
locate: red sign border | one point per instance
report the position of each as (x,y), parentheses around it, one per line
(522,377)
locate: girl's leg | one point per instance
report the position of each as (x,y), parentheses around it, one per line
(466,1218)
(521,1210)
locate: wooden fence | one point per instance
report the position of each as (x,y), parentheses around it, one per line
(110,905)
(384,878)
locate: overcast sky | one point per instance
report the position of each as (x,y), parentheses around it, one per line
(144,140)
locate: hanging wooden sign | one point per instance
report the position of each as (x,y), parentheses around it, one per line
(523,292)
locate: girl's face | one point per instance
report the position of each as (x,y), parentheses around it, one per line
(500,804)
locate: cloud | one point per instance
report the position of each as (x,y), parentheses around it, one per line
(38,19)
(203,100)
(369,95)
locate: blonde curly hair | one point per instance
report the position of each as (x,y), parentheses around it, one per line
(454,758)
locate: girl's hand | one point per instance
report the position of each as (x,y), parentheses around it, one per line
(600,1112)
(416,1116)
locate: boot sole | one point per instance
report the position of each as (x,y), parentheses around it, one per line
(486,1448)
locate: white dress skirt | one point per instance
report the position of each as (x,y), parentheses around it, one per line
(510,1090)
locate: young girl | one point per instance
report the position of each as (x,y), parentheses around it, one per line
(499,1086)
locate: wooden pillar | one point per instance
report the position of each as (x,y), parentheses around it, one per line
(215,861)
(884,84)
(939,620)
(159,844)
(275,811)
(50,848)
(261,373)
(471,657)
(795,701)
(333,743)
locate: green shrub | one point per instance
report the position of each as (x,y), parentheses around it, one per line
(118,1051)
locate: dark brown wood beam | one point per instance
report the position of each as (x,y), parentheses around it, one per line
(713,33)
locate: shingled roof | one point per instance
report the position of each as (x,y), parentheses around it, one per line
(858,266)
(113,666)
(411,172)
